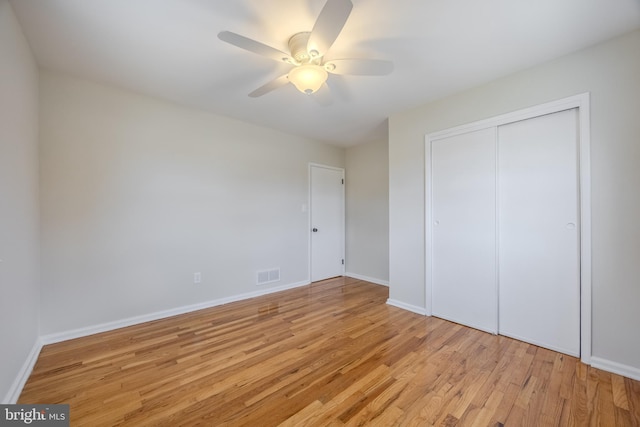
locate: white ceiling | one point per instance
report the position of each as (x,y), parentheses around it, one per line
(169,49)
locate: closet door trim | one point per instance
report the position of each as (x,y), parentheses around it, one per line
(581,102)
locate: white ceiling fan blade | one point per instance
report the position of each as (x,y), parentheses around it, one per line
(323,96)
(330,22)
(359,67)
(272,85)
(254,46)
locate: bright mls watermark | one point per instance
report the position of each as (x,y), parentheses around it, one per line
(34,415)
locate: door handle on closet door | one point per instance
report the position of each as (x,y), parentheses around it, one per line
(315,230)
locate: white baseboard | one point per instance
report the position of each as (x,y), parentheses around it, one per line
(21,379)
(368,279)
(117,324)
(409,307)
(616,368)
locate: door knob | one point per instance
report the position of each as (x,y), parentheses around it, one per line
(315,230)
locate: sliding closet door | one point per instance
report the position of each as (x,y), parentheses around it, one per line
(463,186)
(539,297)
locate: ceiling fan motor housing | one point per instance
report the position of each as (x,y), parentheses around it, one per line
(298,47)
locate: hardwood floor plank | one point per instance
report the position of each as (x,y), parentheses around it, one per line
(329,354)
(619,392)
(633,389)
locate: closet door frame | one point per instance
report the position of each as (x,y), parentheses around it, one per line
(581,102)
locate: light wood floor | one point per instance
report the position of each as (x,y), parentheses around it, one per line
(332,353)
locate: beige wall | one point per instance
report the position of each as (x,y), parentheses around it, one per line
(138,194)
(19,271)
(367,195)
(611,73)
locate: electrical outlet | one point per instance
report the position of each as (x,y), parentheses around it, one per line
(197,277)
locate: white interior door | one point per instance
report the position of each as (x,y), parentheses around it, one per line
(463,186)
(539,274)
(327,222)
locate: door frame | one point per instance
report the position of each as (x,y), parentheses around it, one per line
(309,210)
(582,103)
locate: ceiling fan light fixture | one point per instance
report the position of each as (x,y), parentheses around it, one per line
(308,78)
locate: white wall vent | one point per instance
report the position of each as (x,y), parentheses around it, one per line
(268,276)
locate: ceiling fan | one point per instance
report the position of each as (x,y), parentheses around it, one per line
(307,49)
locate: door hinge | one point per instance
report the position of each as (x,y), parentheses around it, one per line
(343,182)
(343,261)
